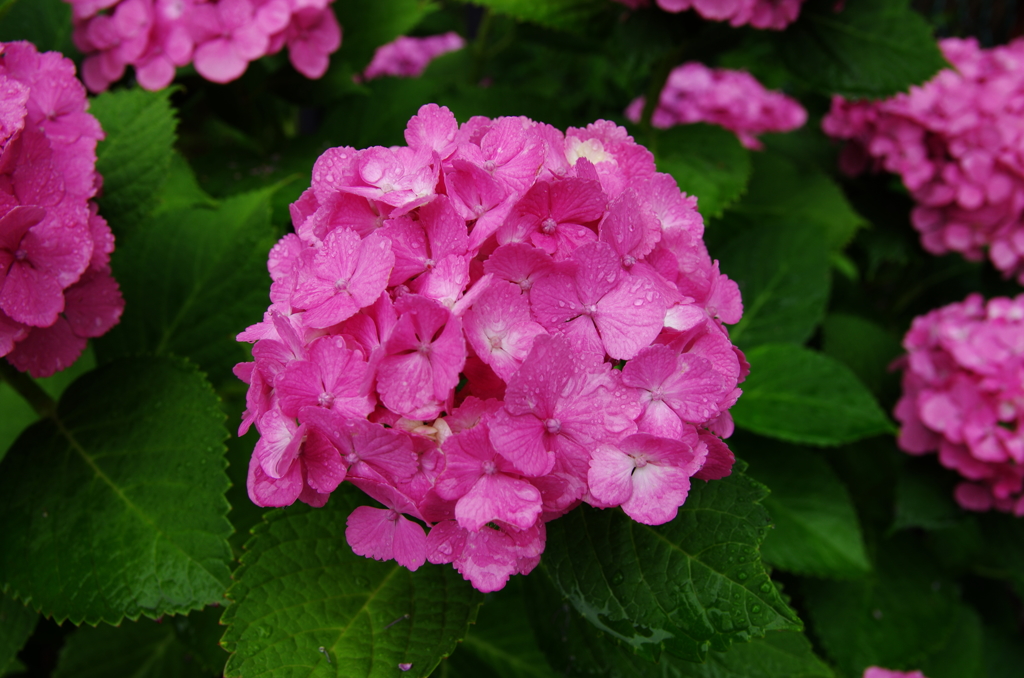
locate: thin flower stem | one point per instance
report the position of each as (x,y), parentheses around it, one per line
(28,389)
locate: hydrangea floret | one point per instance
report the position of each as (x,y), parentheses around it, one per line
(485,328)
(955,141)
(732,99)
(408,57)
(220,37)
(56,288)
(878,672)
(963,396)
(765,14)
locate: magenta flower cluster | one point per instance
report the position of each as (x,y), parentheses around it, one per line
(408,57)
(877,672)
(484,328)
(766,14)
(956,142)
(732,99)
(963,386)
(220,37)
(56,289)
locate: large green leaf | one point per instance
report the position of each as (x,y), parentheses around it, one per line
(18,414)
(136,155)
(690,586)
(142,649)
(904,616)
(782,268)
(569,15)
(16,624)
(782,189)
(576,648)
(872,48)
(192,279)
(45,23)
(368,25)
(116,507)
(305,605)
(802,396)
(707,161)
(501,643)
(816,531)
(865,347)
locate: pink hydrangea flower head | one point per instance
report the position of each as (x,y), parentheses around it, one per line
(220,37)
(444,329)
(764,14)
(963,396)
(955,142)
(407,57)
(720,96)
(56,289)
(877,672)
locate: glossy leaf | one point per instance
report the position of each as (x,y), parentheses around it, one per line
(865,347)
(368,25)
(576,648)
(142,649)
(706,161)
(304,604)
(782,268)
(815,528)
(562,14)
(802,396)
(905,616)
(781,188)
(116,508)
(16,624)
(136,155)
(690,586)
(45,23)
(192,279)
(871,48)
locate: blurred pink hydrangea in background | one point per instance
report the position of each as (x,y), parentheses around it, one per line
(408,57)
(768,14)
(220,37)
(732,99)
(56,289)
(963,395)
(485,328)
(876,672)
(958,144)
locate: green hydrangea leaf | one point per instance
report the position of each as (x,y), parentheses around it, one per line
(368,25)
(16,624)
(871,48)
(706,161)
(866,348)
(815,531)
(802,396)
(781,188)
(142,649)
(136,155)
(192,279)
(690,586)
(45,23)
(116,507)
(567,15)
(501,643)
(576,648)
(905,616)
(304,604)
(783,271)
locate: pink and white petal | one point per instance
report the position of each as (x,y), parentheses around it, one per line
(371,532)
(610,474)
(218,61)
(325,469)
(267,491)
(410,544)
(658,492)
(45,350)
(521,440)
(499,497)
